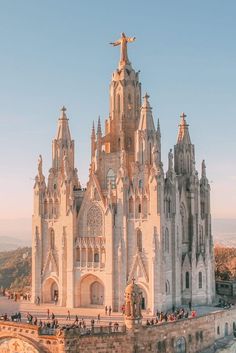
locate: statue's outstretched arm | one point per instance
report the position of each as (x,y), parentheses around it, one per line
(130,39)
(115,43)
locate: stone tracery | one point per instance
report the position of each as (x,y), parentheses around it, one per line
(94,221)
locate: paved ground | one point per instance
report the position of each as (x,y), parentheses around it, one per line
(10,307)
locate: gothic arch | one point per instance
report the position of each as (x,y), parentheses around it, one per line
(90,291)
(50,290)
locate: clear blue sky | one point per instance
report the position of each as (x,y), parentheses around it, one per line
(56,52)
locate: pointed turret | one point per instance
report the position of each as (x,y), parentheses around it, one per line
(183,134)
(146,119)
(146,137)
(63,131)
(62,145)
(184,150)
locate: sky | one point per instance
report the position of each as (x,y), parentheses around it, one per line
(56,53)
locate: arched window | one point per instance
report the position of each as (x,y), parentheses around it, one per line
(226,329)
(167,287)
(183,224)
(52,239)
(131,206)
(96,257)
(140,183)
(139,240)
(111,178)
(139,208)
(78,254)
(187,280)
(118,103)
(129,102)
(94,221)
(145,206)
(167,240)
(180,345)
(218,330)
(200,280)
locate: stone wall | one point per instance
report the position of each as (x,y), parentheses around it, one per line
(195,334)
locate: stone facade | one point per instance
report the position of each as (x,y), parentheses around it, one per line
(194,335)
(132,220)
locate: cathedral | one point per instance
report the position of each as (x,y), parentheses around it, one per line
(132,221)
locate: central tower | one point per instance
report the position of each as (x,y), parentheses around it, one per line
(125,103)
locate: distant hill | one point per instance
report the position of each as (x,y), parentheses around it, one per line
(224,232)
(15,268)
(225,262)
(10,243)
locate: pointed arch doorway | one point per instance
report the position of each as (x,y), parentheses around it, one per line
(96,293)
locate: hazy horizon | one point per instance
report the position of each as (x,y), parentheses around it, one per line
(17,232)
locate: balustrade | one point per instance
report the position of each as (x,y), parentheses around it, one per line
(90,252)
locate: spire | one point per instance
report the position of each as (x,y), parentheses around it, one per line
(93,131)
(158,128)
(183,134)
(146,119)
(93,138)
(63,131)
(123,49)
(203,169)
(99,129)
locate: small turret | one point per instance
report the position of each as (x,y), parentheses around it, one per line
(184,150)
(146,134)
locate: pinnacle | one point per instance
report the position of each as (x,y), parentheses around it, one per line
(99,129)
(63,113)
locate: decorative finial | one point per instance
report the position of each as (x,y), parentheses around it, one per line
(182,117)
(123,47)
(63,112)
(146,96)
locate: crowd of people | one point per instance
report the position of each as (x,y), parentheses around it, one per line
(51,323)
(174,315)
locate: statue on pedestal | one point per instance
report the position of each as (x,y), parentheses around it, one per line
(133,304)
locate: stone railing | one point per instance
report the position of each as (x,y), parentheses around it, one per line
(90,252)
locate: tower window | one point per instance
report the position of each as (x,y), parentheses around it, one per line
(96,257)
(111,178)
(187,280)
(166,240)
(200,280)
(139,208)
(139,240)
(52,239)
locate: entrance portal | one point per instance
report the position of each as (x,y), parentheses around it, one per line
(91,291)
(50,291)
(96,293)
